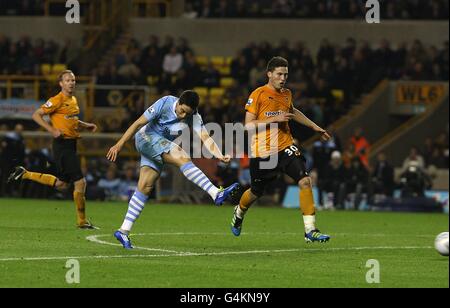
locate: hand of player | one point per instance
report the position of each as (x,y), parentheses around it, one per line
(284,117)
(92,127)
(56,133)
(225,159)
(113,152)
(324,134)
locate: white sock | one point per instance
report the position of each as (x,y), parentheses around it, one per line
(239,212)
(310,222)
(135,207)
(196,176)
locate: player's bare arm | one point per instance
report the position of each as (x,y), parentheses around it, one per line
(38,117)
(304,120)
(89,126)
(212,147)
(114,150)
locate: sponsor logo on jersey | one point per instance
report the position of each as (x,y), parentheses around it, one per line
(71,117)
(273,113)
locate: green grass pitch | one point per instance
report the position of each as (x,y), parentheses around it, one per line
(192,246)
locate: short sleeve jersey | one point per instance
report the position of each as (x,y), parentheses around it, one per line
(163,119)
(266,103)
(63,112)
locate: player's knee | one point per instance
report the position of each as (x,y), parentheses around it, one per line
(80,185)
(257,191)
(146,189)
(305,182)
(61,186)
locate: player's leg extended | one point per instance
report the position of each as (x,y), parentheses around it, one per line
(179,158)
(312,234)
(20,173)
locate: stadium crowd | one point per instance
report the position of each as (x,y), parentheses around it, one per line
(25,55)
(352,69)
(329,9)
(342,9)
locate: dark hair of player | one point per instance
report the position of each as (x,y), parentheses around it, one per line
(190,98)
(277,62)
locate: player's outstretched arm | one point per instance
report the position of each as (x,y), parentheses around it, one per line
(302,119)
(212,147)
(89,126)
(115,149)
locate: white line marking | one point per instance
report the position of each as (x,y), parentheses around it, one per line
(94,239)
(210,253)
(173,253)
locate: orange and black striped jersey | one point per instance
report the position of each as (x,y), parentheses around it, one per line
(63,112)
(265,103)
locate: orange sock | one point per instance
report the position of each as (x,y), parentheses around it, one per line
(45,179)
(307,202)
(80,204)
(247,200)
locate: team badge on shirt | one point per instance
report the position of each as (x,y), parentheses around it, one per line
(250,101)
(48,104)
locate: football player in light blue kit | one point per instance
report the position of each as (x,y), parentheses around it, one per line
(154,134)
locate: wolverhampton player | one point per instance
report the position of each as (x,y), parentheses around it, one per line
(63,111)
(269,104)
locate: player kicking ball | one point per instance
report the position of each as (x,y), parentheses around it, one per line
(154,134)
(269,104)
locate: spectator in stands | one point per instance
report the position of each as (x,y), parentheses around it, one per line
(12,154)
(382,178)
(361,146)
(239,69)
(414,158)
(128,184)
(211,76)
(110,184)
(189,11)
(322,151)
(437,159)
(172,63)
(192,69)
(333,179)
(205,9)
(357,182)
(129,72)
(414,180)
(257,74)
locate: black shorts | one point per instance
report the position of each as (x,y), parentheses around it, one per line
(290,162)
(68,167)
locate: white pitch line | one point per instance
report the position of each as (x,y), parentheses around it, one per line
(173,253)
(208,253)
(94,239)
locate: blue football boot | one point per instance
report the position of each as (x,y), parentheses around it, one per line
(224,193)
(316,236)
(124,239)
